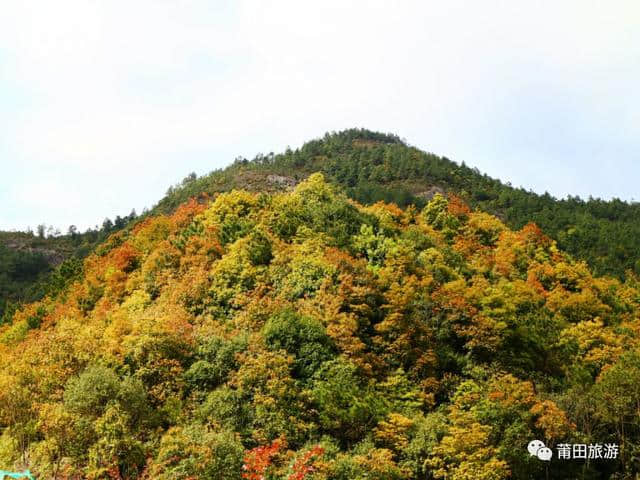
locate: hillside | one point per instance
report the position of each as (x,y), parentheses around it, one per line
(32,266)
(26,262)
(370,167)
(373,166)
(301,335)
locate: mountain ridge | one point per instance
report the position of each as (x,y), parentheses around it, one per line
(370,166)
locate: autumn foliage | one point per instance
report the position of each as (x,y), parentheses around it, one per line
(258,460)
(380,342)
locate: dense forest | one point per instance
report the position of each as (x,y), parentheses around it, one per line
(302,335)
(373,166)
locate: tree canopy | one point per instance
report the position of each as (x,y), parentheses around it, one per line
(304,335)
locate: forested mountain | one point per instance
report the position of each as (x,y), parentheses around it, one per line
(301,335)
(373,166)
(370,167)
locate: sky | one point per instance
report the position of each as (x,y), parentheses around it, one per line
(105,104)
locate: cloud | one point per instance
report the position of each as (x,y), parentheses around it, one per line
(114,101)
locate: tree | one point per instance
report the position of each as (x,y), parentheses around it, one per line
(303,337)
(107,225)
(258,461)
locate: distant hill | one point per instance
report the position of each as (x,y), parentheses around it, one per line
(34,265)
(374,166)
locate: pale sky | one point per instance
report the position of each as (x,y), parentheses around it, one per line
(105,104)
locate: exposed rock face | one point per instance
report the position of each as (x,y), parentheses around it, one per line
(431,192)
(282,180)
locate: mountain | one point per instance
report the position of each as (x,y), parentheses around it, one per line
(295,333)
(372,166)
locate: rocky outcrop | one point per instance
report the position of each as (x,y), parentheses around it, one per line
(288,182)
(431,192)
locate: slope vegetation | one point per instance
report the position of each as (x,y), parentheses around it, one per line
(32,266)
(301,335)
(372,166)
